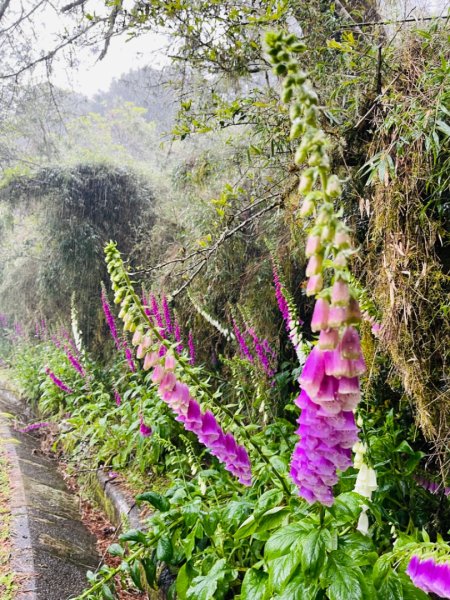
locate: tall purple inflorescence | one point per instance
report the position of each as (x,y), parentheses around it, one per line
(110,319)
(330,376)
(62,386)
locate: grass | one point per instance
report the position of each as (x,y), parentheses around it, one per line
(7,584)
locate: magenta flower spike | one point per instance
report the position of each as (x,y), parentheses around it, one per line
(430,576)
(177,396)
(62,386)
(117,398)
(242,343)
(191,347)
(110,319)
(167,316)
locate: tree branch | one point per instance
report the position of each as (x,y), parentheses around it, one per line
(3,8)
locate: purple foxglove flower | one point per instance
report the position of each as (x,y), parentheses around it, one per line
(75,362)
(320,315)
(157,315)
(328,339)
(338,316)
(151,360)
(313,372)
(340,293)
(313,245)
(430,576)
(376,329)
(167,316)
(350,346)
(242,344)
(167,383)
(144,429)
(129,357)
(117,398)
(110,319)
(281,300)
(263,357)
(169,363)
(177,335)
(315,284)
(314,266)
(34,426)
(204,425)
(62,386)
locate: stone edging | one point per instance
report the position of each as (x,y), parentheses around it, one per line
(22,560)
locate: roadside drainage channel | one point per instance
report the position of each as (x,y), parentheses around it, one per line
(51,547)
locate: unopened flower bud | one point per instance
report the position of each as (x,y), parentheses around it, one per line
(315,284)
(314,265)
(333,188)
(313,245)
(307,208)
(306,183)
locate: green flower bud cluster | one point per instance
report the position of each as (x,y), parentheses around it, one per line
(129,312)
(328,245)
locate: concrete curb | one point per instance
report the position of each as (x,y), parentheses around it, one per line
(22,559)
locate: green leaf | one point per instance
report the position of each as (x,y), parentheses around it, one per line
(155,499)
(282,569)
(391,587)
(184,577)
(135,573)
(346,508)
(254,585)
(116,550)
(442,126)
(410,592)
(282,541)
(133,535)
(164,549)
(272,518)
(149,567)
(312,552)
(346,580)
(107,593)
(204,587)
(299,589)
(247,528)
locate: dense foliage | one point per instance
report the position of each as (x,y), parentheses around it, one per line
(261,224)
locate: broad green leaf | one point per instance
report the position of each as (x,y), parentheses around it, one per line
(283,568)
(345,581)
(254,585)
(282,541)
(272,518)
(204,587)
(164,549)
(133,535)
(312,552)
(155,499)
(116,550)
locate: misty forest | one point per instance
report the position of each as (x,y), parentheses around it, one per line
(224,300)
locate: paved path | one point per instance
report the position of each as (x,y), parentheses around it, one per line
(52,549)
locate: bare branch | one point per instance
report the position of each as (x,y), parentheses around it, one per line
(225,235)
(72,5)
(3,8)
(112,21)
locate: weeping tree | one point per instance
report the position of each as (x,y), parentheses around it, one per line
(56,222)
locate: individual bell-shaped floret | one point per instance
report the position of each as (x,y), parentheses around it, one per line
(340,293)
(319,319)
(315,285)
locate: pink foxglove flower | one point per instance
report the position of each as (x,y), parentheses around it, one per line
(110,319)
(144,429)
(204,425)
(242,343)
(430,576)
(191,347)
(117,398)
